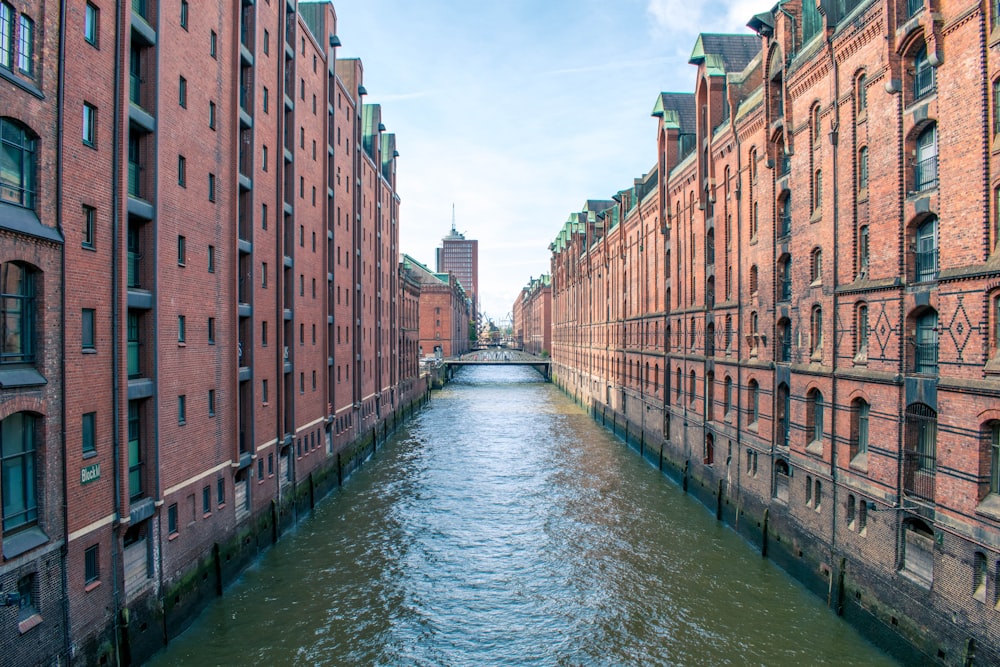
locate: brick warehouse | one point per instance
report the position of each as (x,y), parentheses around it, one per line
(532,316)
(774,315)
(196,187)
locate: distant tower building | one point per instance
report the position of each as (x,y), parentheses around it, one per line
(461,257)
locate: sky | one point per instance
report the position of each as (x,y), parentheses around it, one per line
(518,111)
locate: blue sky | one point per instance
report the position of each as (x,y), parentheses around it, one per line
(518,111)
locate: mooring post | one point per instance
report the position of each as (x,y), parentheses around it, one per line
(718,503)
(763,539)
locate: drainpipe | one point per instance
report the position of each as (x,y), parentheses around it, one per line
(116,205)
(791,17)
(60,99)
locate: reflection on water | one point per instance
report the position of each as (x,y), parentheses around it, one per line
(504,527)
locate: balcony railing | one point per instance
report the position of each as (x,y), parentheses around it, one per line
(918,474)
(925,357)
(926,264)
(925,174)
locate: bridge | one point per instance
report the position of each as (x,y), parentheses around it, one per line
(501,357)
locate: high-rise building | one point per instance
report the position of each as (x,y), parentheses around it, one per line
(460,256)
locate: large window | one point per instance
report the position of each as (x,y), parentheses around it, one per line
(925,356)
(135,486)
(923,74)
(753,402)
(859,429)
(925,167)
(926,251)
(17,164)
(784,342)
(814,417)
(920,455)
(18,471)
(17,314)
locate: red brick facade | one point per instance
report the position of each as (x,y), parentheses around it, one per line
(444,312)
(795,308)
(225,335)
(532,317)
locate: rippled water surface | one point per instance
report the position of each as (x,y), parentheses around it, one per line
(505,527)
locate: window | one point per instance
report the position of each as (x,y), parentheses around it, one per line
(184,14)
(180,328)
(784,342)
(19,471)
(267,42)
(863,172)
(181,171)
(753,280)
(925,168)
(266,99)
(863,250)
(263,275)
(89,220)
(263,392)
(923,74)
(817,201)
(852,512)
(172,519)
(87,317)
(211,187)
(994,457)
(783,406)
(88,437)
(211,402)
(17,314)
(816,266)
(182,92)
(211,331)
(182,409)
(861,332)
(17,176)
(220,491)
(816,332)
(781,477)
(206,500)
(926,251)
(181,250)
(27,591)
(785,278)
(753,402)
(213,44)
(91,24)
(918,550)
(135,487)
(727,397)
(26,47)
(814,417)
(6,35)
(211,259)
(979,576)
(925,342)
(211,115)
(89,124)
(920,451)
(862,94)
(91,563)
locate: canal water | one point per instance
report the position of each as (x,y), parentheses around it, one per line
(505,527)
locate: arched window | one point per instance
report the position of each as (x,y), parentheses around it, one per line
(709,454)
(863,250)
(679,384)
(990,458)
(19,471)
(816,265)
(710,247)
(979,576)
(925,167)
(852,512)
(753,221)
(918,550)
(920,451)
(863,172)
(729,332)
(923,74)
(753,280)
(692,382)
(925,343)
(859,430)
(781,480)
(710,340)
(17,313)
(17,174)
(785,215)
(814,417)
(783,423)
(816,125)
(996,107)
(785,278)
(727,397)
(784,342)
(709,396)
(861,94)
(816,332)
(925,253)
(710,292)
(753,402)
(817,201)
(861,332)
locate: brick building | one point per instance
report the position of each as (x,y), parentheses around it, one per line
(444,312)
(777,307)
(532,312)
(32,326)
(199,251)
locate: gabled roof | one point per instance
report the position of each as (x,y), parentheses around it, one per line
(724,53)
(677,110)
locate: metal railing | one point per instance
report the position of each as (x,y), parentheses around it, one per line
(925,358)
(918,474)
(925,174)
(926,264)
